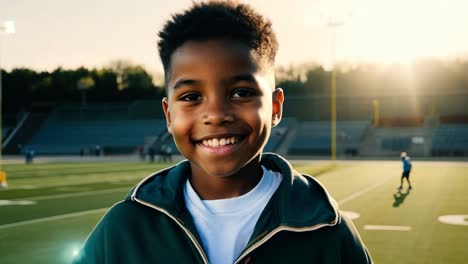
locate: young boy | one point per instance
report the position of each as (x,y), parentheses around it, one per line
(228,202)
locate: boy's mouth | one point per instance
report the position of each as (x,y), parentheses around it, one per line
(219,142)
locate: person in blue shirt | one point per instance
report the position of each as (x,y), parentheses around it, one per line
(406,170)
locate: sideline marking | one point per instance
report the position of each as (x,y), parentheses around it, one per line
(351,215)
(16,202)
(387,227)
(67,195)
(58,217)
(71,189)
(25,187)
(42,186)
(52,218)
(361,192)
(454,219)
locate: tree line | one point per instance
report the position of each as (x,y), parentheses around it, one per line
(422,77)
(121,81)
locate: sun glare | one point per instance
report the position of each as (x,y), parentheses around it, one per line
(403,31)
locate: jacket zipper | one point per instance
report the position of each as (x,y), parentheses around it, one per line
(277,230)
(251,248)
(291,229)
(189,234)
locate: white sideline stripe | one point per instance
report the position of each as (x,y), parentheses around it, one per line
(341,202)
(40,186)
(52,218)
(361,192)
(387,227)
(67,195)
(64,216)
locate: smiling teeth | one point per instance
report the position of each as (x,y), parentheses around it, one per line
(215,142)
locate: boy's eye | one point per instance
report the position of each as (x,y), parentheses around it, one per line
(243,92)
(190,97)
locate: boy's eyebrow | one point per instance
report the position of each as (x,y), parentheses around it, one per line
(246,77)
(181,82)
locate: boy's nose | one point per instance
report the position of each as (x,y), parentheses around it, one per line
(217,113)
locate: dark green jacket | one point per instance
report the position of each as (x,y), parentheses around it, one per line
(300,224)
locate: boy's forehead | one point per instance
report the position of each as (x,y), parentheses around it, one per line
(202,51)
(221,56)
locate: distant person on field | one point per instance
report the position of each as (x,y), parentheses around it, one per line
(28,155)
(141,152)
(97,150)
(228,202)
(32,153)
(162,153)
(406,170)
(168,153)
(151,154)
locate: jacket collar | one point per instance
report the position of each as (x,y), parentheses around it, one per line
(299,202)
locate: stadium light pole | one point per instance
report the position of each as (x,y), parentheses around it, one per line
(333,25)
(8,27)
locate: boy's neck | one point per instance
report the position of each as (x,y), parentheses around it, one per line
(210,187)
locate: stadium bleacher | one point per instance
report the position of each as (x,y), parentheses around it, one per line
(396,143)
(313,137)
(69,137)
(109,111)
(392,140)
(450,140)
(276,136)
(72,129)
(120,128)
(279,133)
(145,109)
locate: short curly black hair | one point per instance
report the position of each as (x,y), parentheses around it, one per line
(219,19)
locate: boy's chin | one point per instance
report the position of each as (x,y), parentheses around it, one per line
(228,169)
(222,172)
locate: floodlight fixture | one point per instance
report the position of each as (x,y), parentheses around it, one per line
(9,27)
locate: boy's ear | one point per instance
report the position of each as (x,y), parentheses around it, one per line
(278,99)
(167,114)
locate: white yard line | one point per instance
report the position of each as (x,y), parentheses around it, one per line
(387,227)
(39,186)
(361,192)
(64,216)
(58,217)
(53,218)
(77,194)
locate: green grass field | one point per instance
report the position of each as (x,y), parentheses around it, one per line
(49,208)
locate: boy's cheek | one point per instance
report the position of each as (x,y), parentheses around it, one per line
(180,123)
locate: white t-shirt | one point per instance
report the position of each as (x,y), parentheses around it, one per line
(225,225)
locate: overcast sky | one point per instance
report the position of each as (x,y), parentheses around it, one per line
(91,33)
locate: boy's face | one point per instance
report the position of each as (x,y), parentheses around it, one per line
(220,106)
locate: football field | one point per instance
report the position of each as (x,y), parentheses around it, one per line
(48,209)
